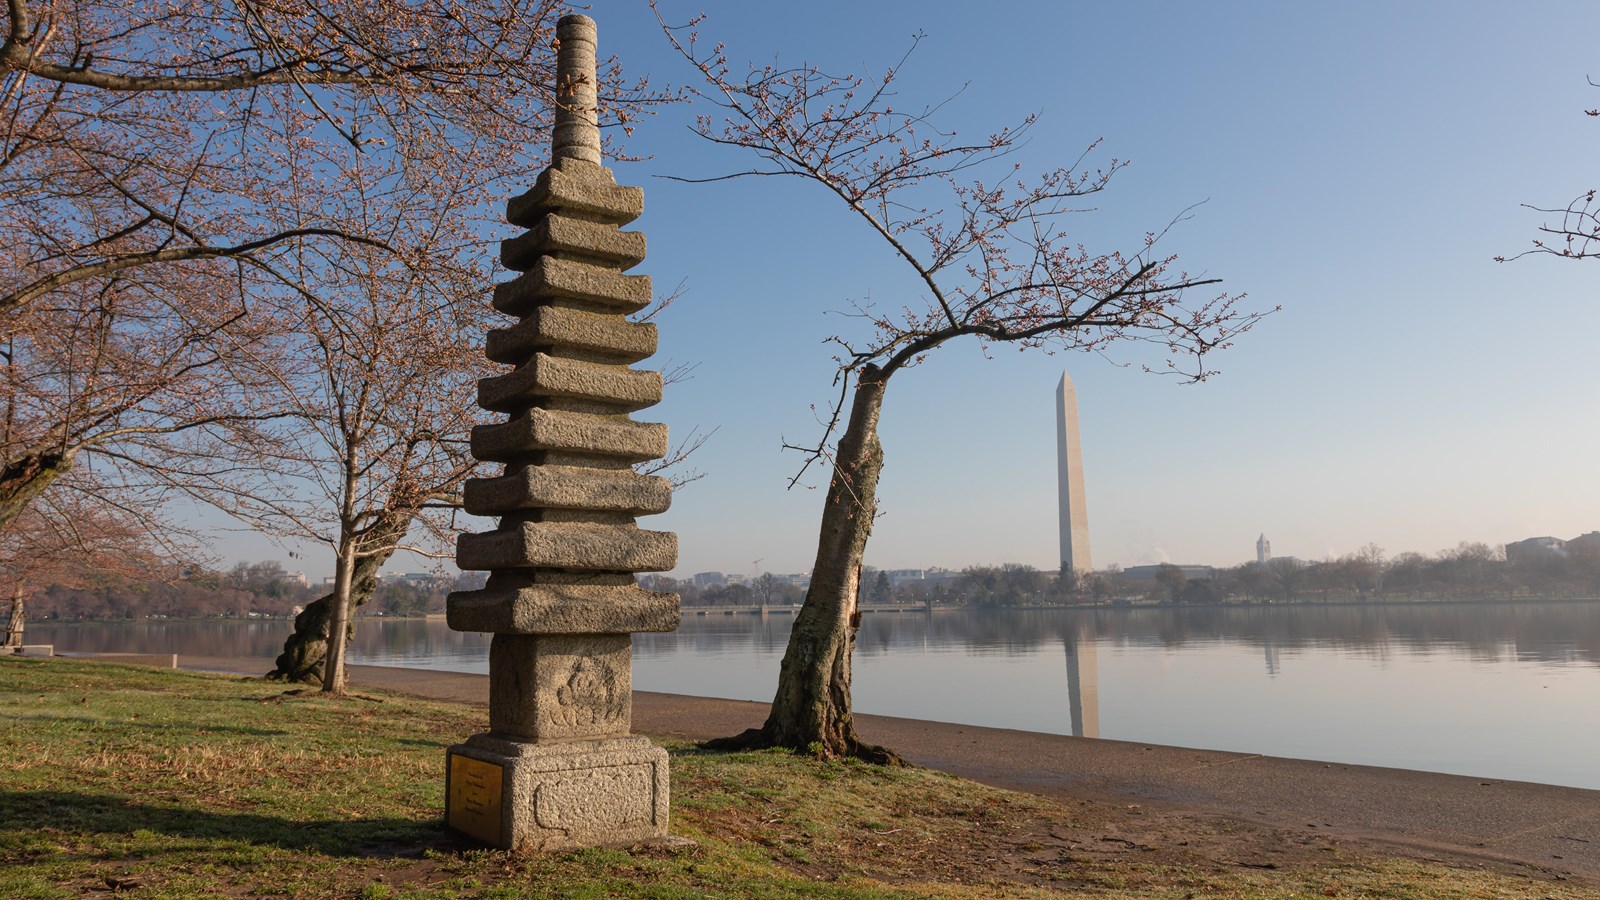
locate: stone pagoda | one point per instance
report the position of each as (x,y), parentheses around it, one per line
(558,768)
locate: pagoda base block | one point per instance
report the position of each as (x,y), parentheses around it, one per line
(539,797)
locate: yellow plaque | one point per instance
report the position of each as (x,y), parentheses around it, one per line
(473,807)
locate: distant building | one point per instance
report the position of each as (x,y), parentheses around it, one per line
(1148,573)
(1538,549)
(899,576)
(709,579)
(1263,549)
(1585,543)
(1535,549)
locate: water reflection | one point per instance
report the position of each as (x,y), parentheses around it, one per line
(1083,686)
(1556,633)
(233,638)
(1544,632)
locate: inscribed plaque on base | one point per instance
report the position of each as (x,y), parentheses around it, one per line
(473,807)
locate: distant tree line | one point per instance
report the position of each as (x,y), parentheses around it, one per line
(260,589)
(1468,571)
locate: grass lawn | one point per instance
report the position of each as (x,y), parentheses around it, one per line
(155,783)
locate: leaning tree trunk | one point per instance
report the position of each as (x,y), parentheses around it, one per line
(17,620)
(811,711)
(303,652)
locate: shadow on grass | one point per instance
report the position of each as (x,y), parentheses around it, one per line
(109,814)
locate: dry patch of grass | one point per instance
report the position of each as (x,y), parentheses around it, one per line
(169,784)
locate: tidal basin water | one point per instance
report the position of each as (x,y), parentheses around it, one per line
(1498,690)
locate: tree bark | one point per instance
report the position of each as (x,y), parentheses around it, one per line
(24,478)
(811,711)
(17,620)
(333,676)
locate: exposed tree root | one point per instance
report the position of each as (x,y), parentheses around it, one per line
(309,692)
(850,748)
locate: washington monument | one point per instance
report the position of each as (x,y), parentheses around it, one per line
(1069,469)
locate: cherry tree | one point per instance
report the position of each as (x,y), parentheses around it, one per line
(141,134)
(189,192)
(144,373)
(68,539)
(373,459)
(164,167)
(994,260)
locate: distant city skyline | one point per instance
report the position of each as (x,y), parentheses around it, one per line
(1529,547)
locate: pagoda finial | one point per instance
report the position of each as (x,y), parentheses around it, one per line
(577,130)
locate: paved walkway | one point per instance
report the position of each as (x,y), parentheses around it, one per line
(1552,828)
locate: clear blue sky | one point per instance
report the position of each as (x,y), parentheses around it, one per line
(1360,164)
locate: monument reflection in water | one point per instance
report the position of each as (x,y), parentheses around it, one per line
(1500,690)
(1083,686)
